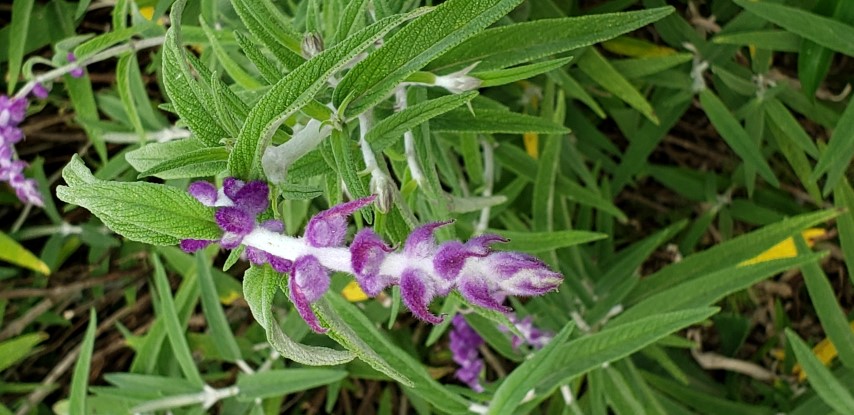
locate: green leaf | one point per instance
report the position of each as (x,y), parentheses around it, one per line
(827,32)
(836,158)
(268,70)
(830,314)
(234,70)
(191,99)
(506,76)
(174,329)
(144,212)
(545,241)
(355,331)
(293,92)
(390,129)
(152,154)
(21,14)
(831,391)
(198,163)
(524,377)
(734,251)
(641,67)
(594,65)
(221,333)
(711,287)
(123,85)
(101,42)
(351,20)
(17,348)
(267,24)
(791,128)
(733,133)
(493,121)
(509,45)
(274,383)
(516,160)
(80,378)
(777,40)
(843,198)
(561,361)
(343,150)
(411,48)
(260,285)
(12,252)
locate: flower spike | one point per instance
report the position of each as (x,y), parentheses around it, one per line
(328,228)
(423,269)
(368,252)
(416,291)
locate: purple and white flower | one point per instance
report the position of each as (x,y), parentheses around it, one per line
(464,350)
(12,113)
(465,342)
(423,269)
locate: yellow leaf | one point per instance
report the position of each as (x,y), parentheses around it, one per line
(11,251)
(229,297)
(785,249)
(825,351)
(636,48)
(353,293)
(531,144)
(147,12)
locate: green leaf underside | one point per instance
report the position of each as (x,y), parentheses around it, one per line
(260,285)
(144,212)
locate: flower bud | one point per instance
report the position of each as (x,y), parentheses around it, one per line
(459,81)
(312,45)
(328,228)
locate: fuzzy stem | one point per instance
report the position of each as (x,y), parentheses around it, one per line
(112,52)
(409,140)
(340,259)
(276,160)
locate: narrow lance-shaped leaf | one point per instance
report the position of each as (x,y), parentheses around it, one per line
(509,45)
(295,91)
(831,391)
(734,135)
(145,212)
(260,285)
(410,49)
(827,32)
(80,379)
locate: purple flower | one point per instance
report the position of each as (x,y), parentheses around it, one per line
(464,349)
(76,72)
(240,204)
(423,269)
(465,343)
(328,228)
(39,91)
(12,112)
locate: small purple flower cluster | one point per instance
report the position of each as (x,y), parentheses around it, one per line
(76,72)
(423,270)
(12,112)
(465,343)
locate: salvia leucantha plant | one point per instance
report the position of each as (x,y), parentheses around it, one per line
(361,144)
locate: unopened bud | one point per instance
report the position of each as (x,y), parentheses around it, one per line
(459,81)
(312,45)
(381,186)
